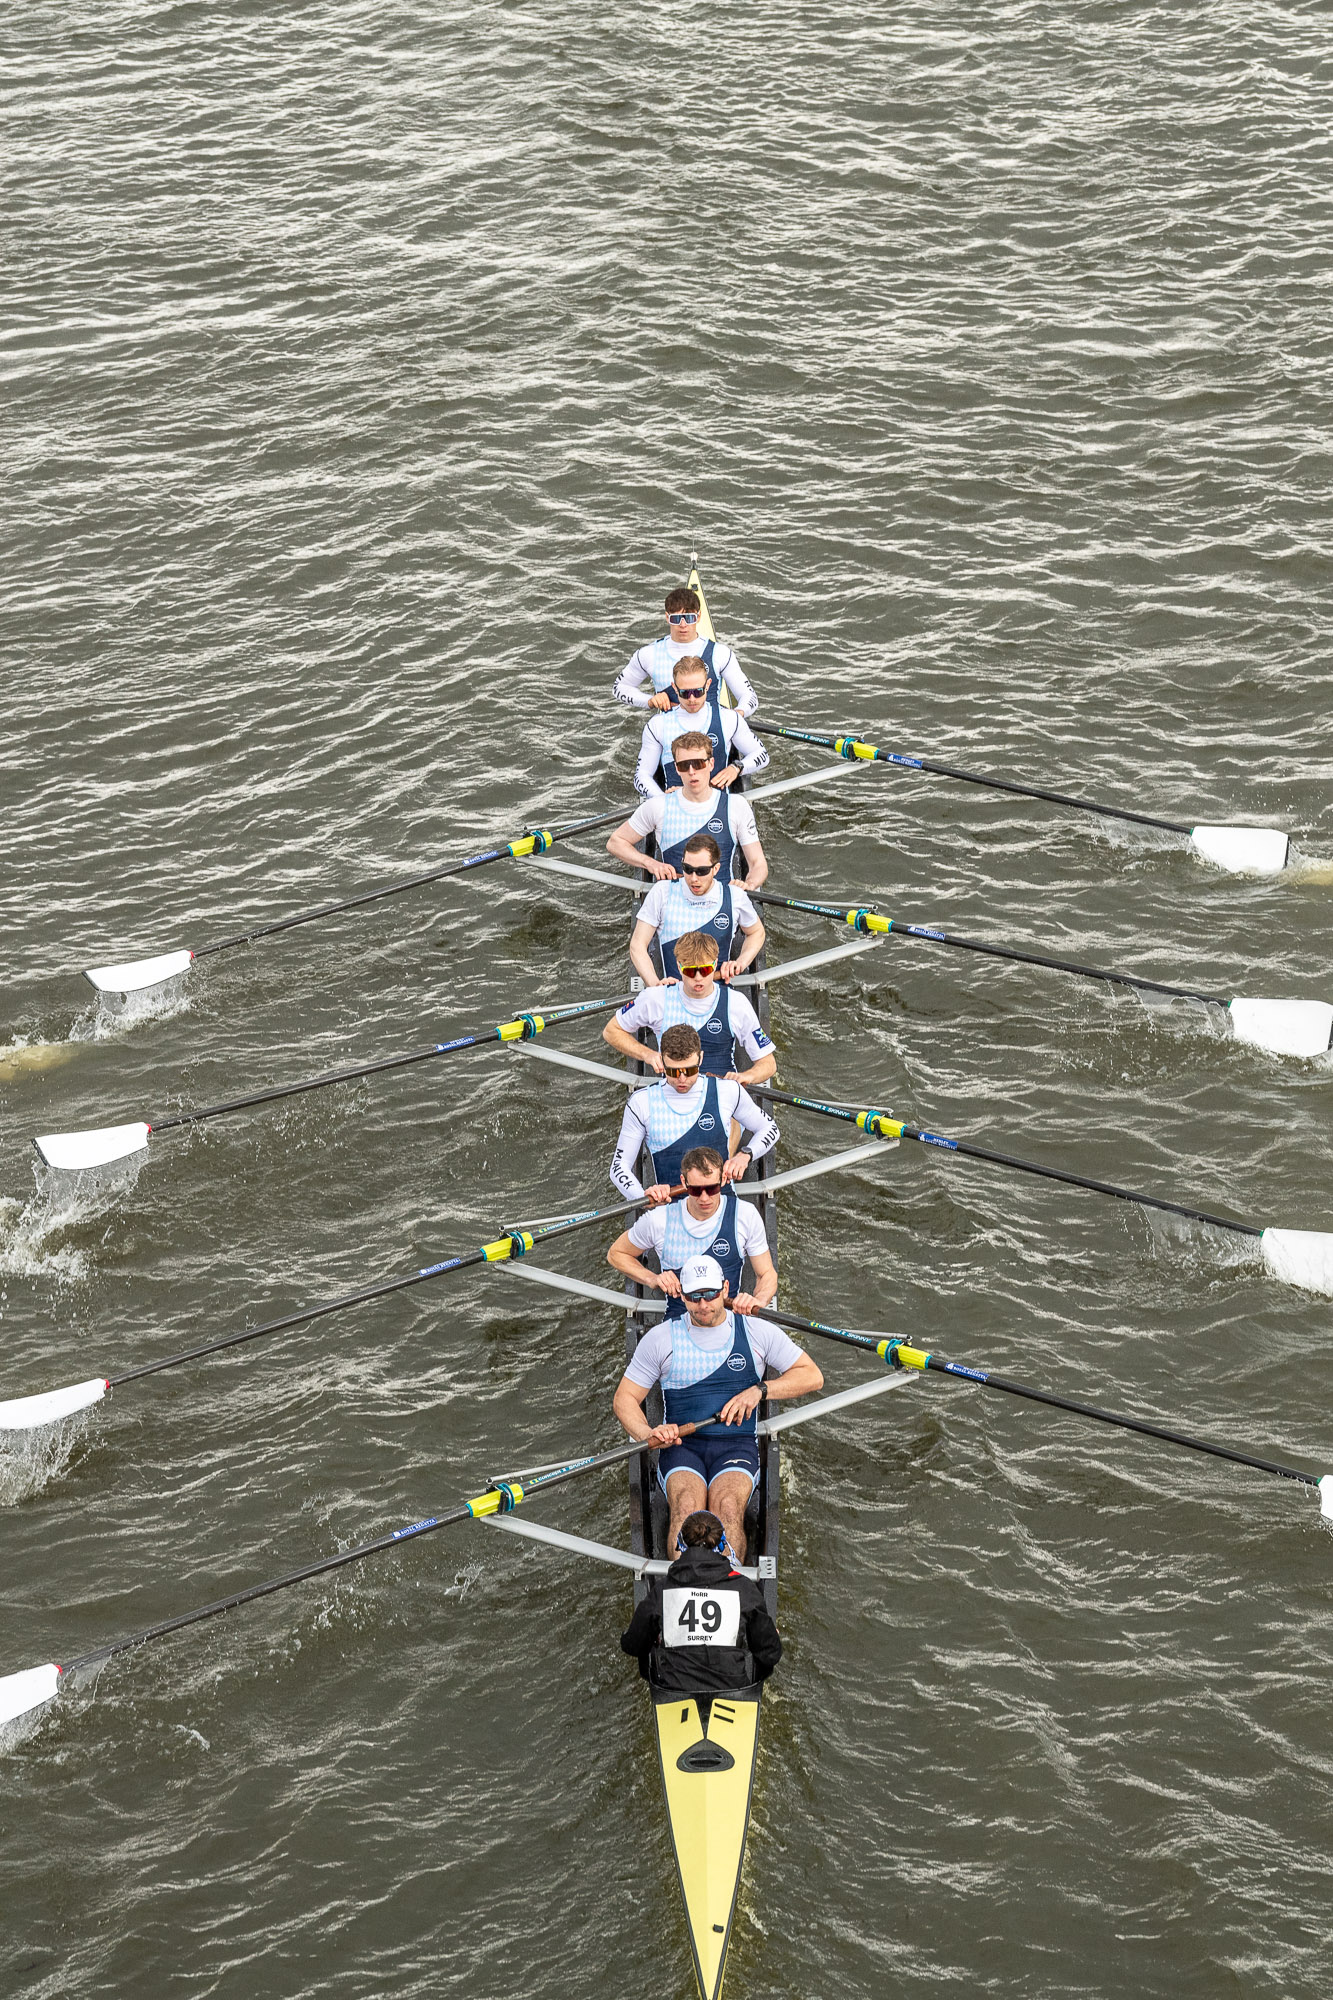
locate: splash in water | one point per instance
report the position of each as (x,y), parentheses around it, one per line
(33,1234)
(30,1460)
(120,1013)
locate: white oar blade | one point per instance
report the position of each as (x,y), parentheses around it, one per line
(1326,1496)
(74,1152)
(1301,1257)
(26,1413)
(19,1693)
(1243,850)
(133,978)
(1284,1027)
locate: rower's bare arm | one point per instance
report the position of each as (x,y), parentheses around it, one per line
(754,935)
(639,955)
(756,864)
(759,1071)
(623,1257)
(765,1284)
(803,1378)
(628,1410)
(629,1045)
(624,845)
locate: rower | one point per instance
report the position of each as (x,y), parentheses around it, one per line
(737,750)
(681,1112)
(719,1014)
(708,1222)
(710,1361)
(703,1627)
(696,902)
(646,681)
(674,818)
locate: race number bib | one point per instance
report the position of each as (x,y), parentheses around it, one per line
(700,1617)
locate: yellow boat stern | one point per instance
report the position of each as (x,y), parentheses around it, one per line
(707,1776)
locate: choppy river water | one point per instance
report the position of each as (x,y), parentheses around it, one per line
(368,374)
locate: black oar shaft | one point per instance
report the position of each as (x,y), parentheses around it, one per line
(407,882)
(901,1354)
(488,1503)
(879,1121)
(984,1379)
(490,1253)
(871,754)
(522,1028)
(891,926)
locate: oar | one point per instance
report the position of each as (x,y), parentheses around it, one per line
(135,976)
(898,1354)
(24,1413)
(1301,1257)
(1283,1027)
(31,1689)
(1242,850)
(73,1152)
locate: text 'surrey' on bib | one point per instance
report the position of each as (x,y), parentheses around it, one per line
(700,1617)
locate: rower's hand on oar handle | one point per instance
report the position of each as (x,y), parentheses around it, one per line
(660,701)
(737,1166)
(669,1282)
(658,1193)
(663,1435)
(741,1406)
(728,970)
(661,871)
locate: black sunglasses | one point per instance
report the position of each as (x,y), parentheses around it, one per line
(703,1298)
(704,1187)
(687,869)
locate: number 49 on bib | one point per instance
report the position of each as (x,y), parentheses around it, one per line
(700,1617)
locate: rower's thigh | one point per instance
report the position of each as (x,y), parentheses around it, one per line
(685,1489)
(732,1488)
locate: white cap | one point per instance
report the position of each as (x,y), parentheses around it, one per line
(701,1274)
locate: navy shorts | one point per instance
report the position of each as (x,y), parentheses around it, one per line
(707,1456)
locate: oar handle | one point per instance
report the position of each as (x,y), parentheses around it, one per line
(851,746)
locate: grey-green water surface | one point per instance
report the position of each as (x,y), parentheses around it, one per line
(367,375)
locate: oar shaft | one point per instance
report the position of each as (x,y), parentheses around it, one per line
(879,1121)
(850,746)
(903,1356)
(523,1028)
(864,919)
(499,1500)
(513,850)
(517,1243)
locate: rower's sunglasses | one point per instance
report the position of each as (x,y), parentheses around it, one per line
(703,1298)
(692,763)
(698,971)
(685,867)
(694,693)
(703,1187)
(681,617)
(690,1069)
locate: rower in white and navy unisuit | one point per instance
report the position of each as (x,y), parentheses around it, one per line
(707,1222)
(646,681)
(721,1016)
(710,1363)
(736,752)
(676,817)
(696,902)
(685,1110)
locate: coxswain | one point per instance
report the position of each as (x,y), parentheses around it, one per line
(710,1363)
(674,818)
(681,1112)
(721,1016)
(737,751)
(703,1627)
(709,1222)
(646,681)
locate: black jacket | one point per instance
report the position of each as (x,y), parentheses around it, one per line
(704,1669)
